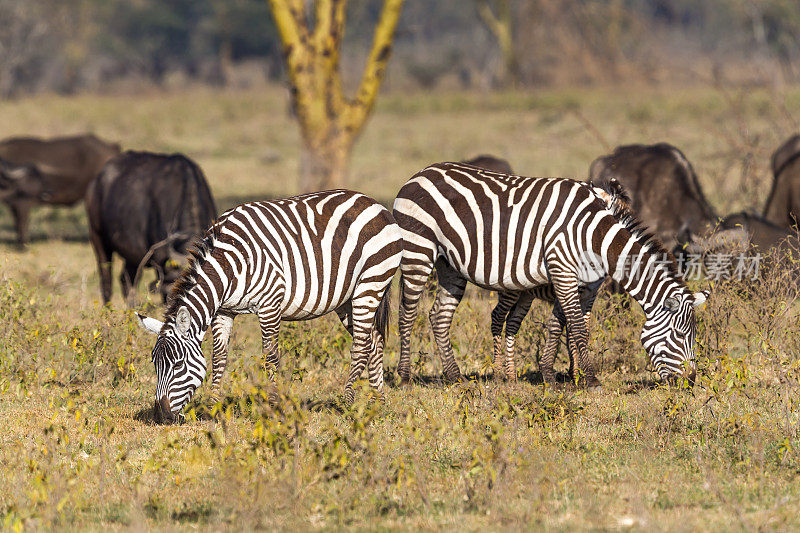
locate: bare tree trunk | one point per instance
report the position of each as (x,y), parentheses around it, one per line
(325,168)
(329,121)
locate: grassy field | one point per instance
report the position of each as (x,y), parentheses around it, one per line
(78,447)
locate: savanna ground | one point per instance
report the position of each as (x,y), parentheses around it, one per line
(78,447)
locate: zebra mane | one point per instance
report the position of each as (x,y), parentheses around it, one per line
(619,202)
(188,279)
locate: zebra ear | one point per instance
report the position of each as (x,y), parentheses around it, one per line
(150,324)
(183,321)
(700,298)
(672,305)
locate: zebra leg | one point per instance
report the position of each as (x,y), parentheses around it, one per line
(221,332)
(359,357)
(451,290)
(505,302)
(365,349)
(566,287)
(269,318)
(413,276)
(375,364)
(513,323)
(554,327)
(588,294)
(364,307)
(571,348)
(345,314)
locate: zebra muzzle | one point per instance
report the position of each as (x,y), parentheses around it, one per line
(162,413)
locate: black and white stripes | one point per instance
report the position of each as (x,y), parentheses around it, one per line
(292,259)
(513,234)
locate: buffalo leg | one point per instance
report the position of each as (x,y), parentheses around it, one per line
(126,278)
(21,212)
(103,255)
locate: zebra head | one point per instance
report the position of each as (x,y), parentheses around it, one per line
(669,332)
(180,365)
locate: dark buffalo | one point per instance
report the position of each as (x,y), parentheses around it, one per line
(742,233)
(662,185)
(490,162)
(783,204)
(148,208)
(64,165)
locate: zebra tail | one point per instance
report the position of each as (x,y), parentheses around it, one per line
(382,314)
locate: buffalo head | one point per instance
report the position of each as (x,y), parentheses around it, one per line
(20,181)
(168,257)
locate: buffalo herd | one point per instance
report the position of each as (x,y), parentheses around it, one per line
(147,208)
(150,208)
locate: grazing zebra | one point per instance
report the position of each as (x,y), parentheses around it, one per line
(512,234)
(292,259)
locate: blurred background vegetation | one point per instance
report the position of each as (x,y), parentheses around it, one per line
(67,46)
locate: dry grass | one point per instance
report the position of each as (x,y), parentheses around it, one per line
(78,448)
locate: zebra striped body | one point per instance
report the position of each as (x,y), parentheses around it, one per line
(513,234)
(292,259)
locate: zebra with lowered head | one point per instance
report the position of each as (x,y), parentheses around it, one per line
(513,234)
(292,259)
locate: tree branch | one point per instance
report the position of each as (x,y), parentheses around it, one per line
(289,15)
(493,22)
(361,105)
